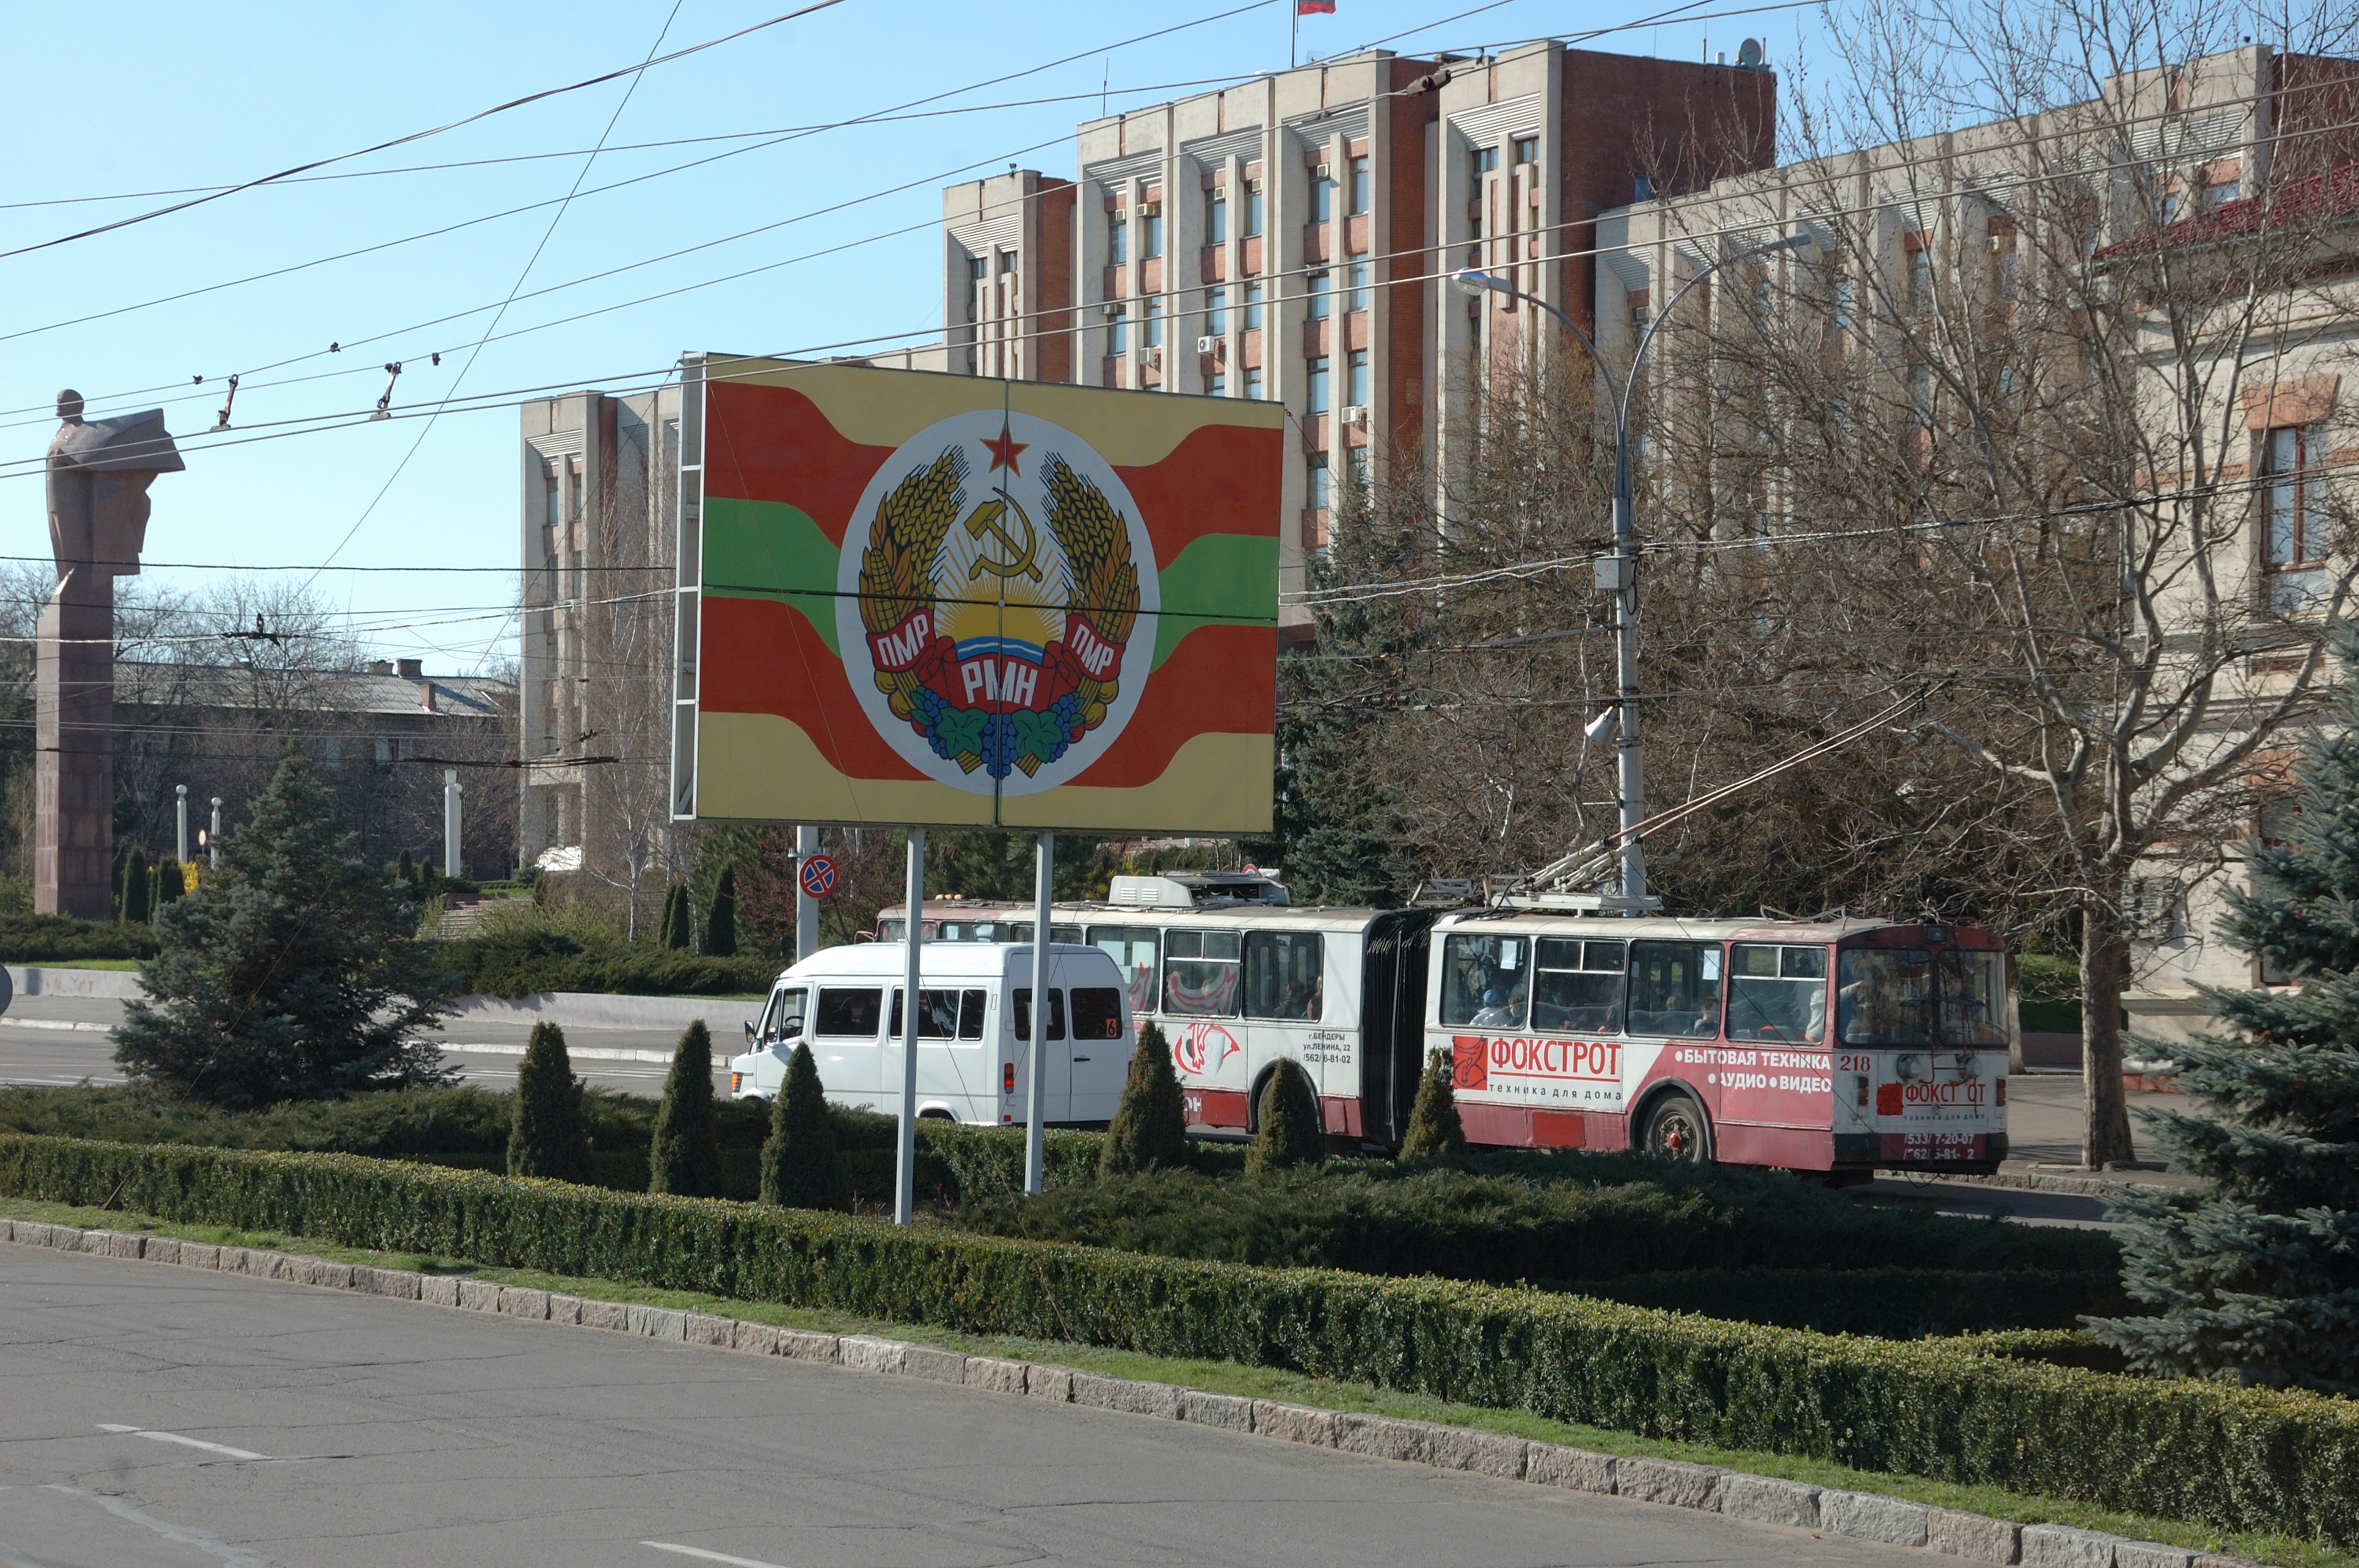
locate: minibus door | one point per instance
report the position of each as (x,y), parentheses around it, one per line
(1057,1082)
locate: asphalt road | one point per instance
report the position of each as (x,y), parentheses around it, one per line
(64,1040)
(157,1418)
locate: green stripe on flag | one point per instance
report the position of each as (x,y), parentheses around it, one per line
(766,549)
(1213,582)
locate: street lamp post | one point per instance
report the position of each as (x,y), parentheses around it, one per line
(1618,573)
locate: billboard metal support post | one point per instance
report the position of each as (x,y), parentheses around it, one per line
(181,809)
(1037,1087)
(806,906)
(451,833)
(904,1173)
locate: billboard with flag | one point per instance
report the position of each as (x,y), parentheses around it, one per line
(912,597)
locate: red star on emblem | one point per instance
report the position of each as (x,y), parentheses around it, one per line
(1002,451)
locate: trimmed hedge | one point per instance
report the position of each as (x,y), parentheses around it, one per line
(523,963)
(56,938)
(2241,1458)
(1892,1303)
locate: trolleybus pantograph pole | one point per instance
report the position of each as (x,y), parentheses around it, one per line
(1618,573)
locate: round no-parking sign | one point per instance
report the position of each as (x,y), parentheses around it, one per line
(818,876)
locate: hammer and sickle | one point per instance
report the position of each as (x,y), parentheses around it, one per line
(1021,559)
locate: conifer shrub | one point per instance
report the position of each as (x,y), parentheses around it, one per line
(2256,1274)
(1287,1132)
(684,1159)
(137,905)
(720,918)
(1434,1132)
(172,884)
(546,1137)
(799,1166)
(1149,1130)
(675,929)
(405,870)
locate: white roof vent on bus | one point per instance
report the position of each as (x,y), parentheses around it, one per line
(1197,889)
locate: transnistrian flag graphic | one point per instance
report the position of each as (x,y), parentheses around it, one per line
(929,598)
(1314,7)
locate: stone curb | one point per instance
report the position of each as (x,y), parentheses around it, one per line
(1671,1482)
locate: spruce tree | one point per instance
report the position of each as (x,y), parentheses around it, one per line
(2256,1274)
(799,1168)
(135,904)
(170,884)
(1150,1126)
(720,919)
(546,1137)
(685,1158)
(674,931)
(1434,1132)
(406,869)
(1289,1132)
(295,974)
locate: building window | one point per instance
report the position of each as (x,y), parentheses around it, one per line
(1637,321)
(1319,396)
(1921,280)
(1117,238)
(1216,311)
(1253,382)
(1356,278)
(1323,195)
(1480,162)
(1322,301)
(976,267)
(1527,149)
(1117,331)
(2296,542)
(1216,386)
(1361,185)
(552,508)
(1253,207)
(1150,239)
(1216,217)
(1252,307)
(1355,378)
(2223,191)
(1314,474)
(1006,262)
(573,472)
(1154,323)
(1841,303)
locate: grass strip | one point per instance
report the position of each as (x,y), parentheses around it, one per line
(1264,1382)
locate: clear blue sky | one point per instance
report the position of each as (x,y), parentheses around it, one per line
(182,96)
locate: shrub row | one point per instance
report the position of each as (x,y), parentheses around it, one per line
(525,962)
(55,938)
(1892,1303)
(2240,1458)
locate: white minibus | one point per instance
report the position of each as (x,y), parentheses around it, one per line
(974,1022)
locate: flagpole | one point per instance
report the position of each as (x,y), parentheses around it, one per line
(1293,32)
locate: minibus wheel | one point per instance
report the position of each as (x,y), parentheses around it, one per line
(1676,1129)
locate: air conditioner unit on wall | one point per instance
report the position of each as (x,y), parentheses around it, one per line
(1208,345)
(1356,414)
(1155,358)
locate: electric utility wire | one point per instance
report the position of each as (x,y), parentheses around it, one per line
(547,234)
(633,72)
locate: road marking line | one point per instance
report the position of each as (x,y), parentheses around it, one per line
(56,1024)
(187,1535)
(188,1442)
(711,1556)
(588,1053)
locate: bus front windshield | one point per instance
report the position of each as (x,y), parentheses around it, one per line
(1910,996)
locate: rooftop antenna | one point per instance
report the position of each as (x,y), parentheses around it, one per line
(220,420)
(384,404)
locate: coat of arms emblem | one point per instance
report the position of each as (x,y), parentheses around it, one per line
(997,603)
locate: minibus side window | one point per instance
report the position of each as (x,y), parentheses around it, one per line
(849,1014)
(1282,975)
(1675,989)
(784,1021)
(1776,993)
(1578,985)
(940,1014)
(970,1006)
(1097,1013)
(1199,973)
(1024,1014)
(1132,948)
(1484,981)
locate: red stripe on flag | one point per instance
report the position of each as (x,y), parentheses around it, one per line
(1314,7)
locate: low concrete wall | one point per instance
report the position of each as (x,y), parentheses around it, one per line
(37,980)
(591,1009)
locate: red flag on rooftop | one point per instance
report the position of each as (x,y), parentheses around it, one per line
(1314,7)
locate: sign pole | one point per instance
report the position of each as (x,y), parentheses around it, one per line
(1037,1095)
(806,906)
(905,1177)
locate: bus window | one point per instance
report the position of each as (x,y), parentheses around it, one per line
(972,931)
(1776,993)
(850,1015)
(1884,996)
(1484,980)
(1023,933)
(1973,998)
(1097,1013)
(1282,975)
(1024,1014)
(892,930)
(941,1014)
(1675,989)
(1132,948)
(1578,985)
(1199,973)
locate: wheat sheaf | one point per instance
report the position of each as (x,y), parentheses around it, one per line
(896,571)
(1096,541)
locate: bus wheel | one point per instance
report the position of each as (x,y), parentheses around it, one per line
(1677,1130)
